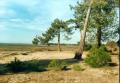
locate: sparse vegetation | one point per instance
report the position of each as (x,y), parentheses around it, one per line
(77,67)
(57,65)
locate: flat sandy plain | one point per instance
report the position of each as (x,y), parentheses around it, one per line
(89,75)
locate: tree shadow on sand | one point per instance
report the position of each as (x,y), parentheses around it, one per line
(18,66)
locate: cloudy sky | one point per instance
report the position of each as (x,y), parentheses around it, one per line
(21,20)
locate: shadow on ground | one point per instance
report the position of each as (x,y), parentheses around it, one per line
(30,66)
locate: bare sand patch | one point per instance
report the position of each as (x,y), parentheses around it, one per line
(39,55)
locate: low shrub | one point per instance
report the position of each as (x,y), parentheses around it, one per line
(98,57)
(57,65)
(103,47)
(87,47)
(24,53)
(77,67)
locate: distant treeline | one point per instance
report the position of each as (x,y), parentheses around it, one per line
(23,44)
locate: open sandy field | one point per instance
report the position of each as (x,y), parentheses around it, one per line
(8,56)
(89,75)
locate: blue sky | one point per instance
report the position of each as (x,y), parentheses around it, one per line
(21,20)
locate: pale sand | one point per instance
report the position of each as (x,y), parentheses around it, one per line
(40,55)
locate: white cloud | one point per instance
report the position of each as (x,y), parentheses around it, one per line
(42,12)
(35,25)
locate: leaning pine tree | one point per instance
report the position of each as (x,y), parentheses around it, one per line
(82,40)
(98,15)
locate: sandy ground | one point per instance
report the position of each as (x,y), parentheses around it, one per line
(9,56)
(89,75)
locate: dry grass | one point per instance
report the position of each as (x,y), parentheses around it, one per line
(33,48)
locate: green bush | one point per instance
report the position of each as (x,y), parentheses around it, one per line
(77,67)
(98,57)
(104,48)
(57,65)
(87,47)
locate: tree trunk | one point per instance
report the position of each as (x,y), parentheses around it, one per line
(78,54)
(59,49)
(47,47)
(99,34)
